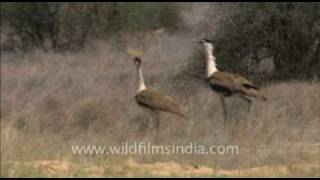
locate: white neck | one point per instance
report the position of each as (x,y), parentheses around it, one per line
(141,86)
(211,60)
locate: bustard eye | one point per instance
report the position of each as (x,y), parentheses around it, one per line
(137,62)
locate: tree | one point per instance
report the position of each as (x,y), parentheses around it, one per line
(69,26)
(287,32)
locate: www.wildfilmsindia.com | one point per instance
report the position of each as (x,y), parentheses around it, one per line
(146,148)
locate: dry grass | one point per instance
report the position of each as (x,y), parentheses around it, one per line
(52,101)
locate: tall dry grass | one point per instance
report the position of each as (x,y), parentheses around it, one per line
(52,101)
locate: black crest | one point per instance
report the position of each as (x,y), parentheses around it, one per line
(137,60)
(206,40)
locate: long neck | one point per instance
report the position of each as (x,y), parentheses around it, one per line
(141,85)
(211,60)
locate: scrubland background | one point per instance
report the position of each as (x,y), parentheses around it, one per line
(67,79)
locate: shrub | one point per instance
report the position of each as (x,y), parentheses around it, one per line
(287,33)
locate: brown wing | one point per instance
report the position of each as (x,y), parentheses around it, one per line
(228,83)
(231,81)
(157,101)
(244,82)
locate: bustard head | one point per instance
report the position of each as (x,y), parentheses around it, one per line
(137,61)
(208,44)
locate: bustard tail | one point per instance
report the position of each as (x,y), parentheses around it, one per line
(256,94)
(263,97)
(181,114)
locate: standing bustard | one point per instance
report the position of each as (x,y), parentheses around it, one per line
(153,100)
(228,84)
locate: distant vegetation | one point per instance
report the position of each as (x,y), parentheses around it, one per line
(69,26)
(245,33)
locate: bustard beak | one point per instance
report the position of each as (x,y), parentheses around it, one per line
(196,40)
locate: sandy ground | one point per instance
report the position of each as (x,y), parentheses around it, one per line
(130,168)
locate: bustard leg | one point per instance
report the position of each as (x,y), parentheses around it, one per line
(189,128)
(155,120)
(249,101)
(155,124)
(225,113)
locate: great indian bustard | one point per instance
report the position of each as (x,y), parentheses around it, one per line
(153,100)
(228,84)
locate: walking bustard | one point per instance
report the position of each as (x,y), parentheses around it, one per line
(228,84)
(154,100)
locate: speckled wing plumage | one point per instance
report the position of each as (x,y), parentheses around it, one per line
(157,101)
(228,84)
